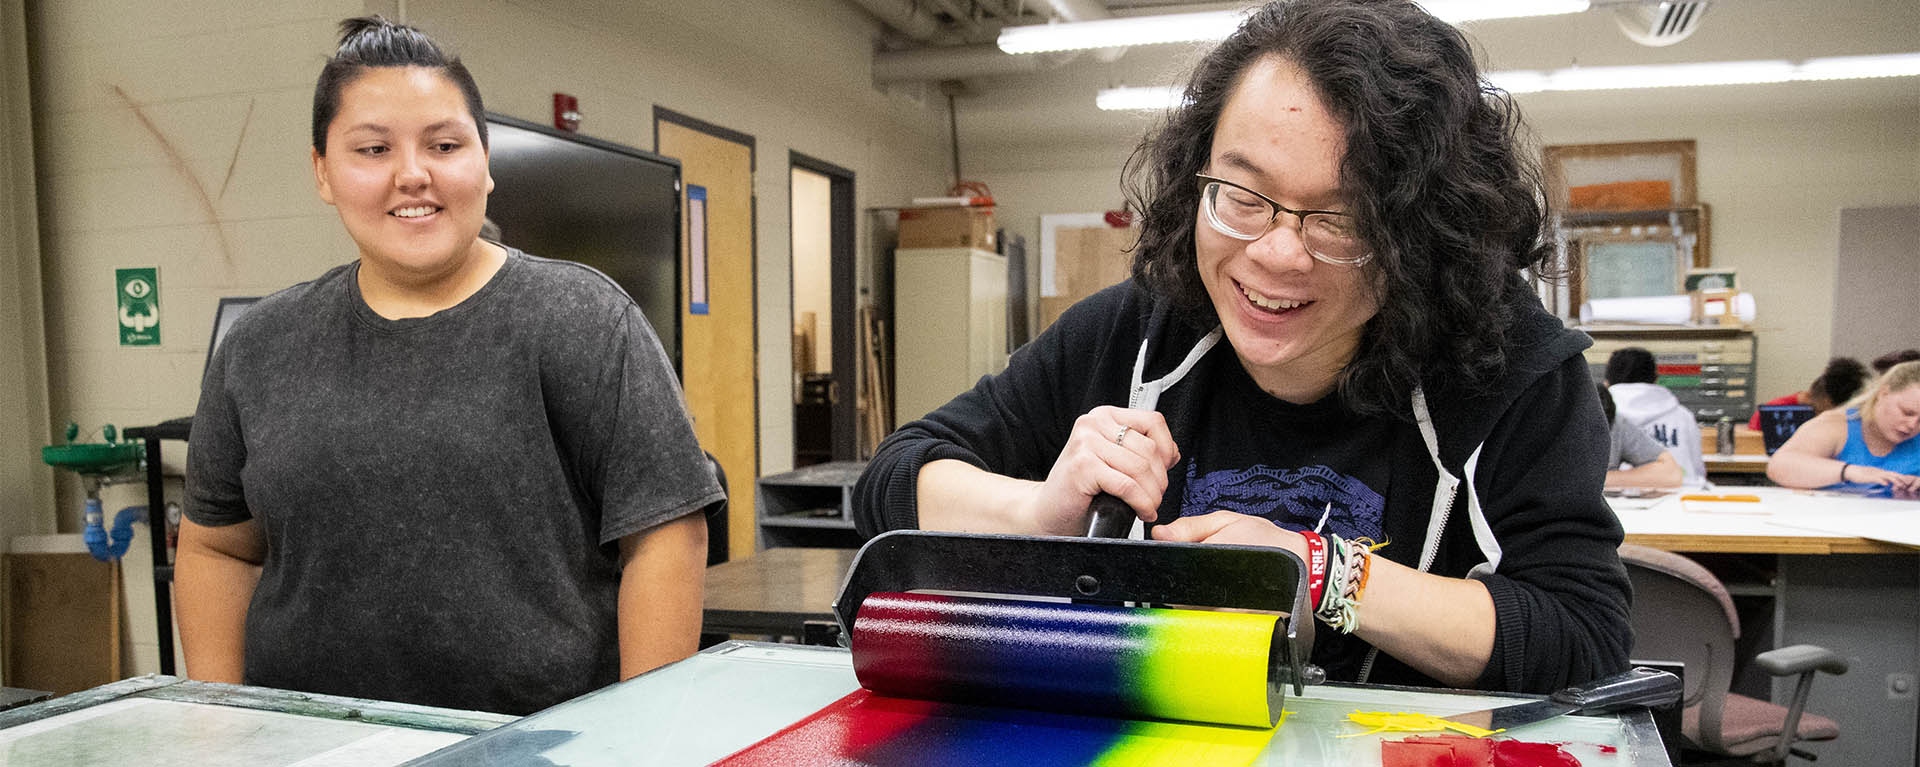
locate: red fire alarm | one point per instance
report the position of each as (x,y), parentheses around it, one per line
(566,112)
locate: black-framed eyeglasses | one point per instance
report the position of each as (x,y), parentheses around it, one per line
(1243,214)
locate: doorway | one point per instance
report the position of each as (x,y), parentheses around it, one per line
(825,416)
(718,369)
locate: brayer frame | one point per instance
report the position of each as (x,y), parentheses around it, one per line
(1158,572)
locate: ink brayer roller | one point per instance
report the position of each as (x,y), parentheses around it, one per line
(1010,640)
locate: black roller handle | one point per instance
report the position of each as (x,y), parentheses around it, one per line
(1112,517)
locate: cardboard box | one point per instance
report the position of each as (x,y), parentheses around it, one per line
(952,227)
(1087,260)
(1050,309)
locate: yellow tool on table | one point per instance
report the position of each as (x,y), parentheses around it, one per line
(1722,503)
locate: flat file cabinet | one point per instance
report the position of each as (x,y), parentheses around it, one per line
(1710,370)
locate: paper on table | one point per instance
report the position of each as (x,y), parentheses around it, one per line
(1899,525)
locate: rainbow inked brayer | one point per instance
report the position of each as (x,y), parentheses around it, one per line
(1044,651)
(1105,653)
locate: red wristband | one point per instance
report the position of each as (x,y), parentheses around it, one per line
(1316,567)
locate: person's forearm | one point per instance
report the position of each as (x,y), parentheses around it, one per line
(1794,469)
(211,594)
(1441,626)
(661,585)
(958,496)
(1664,472)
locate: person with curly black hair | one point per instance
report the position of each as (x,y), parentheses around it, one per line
(1885,362)
(1842,378)
(1326,345)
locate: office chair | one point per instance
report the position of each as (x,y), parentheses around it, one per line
(1682,613)
(716,539)
(717,517)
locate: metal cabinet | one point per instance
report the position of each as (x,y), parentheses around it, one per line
(811,506)
(1710,370)
(950,318)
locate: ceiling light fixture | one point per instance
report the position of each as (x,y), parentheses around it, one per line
(1154,97)
(1620,78)
(1211,26)
(1458,11)
(1707,73)
(1125,98)
(1118,32)
(1856,67)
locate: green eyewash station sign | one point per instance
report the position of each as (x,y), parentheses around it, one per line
(138,294)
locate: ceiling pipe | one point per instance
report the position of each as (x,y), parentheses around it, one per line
(961,16)
(1088,10)
(938,61)
(906,17)
(957,62)
(1080,10)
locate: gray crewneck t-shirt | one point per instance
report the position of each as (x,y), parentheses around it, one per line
(442,497)
(1631,445)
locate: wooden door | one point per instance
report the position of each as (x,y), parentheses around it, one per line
(718,367)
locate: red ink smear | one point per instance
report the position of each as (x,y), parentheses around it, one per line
(1514,753)
(1608,749)
(1462,751)
(1415,754)
(842,729)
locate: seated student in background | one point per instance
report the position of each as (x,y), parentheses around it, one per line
(1885,362)
(1630,377)
(1326,302)
(1652,465)
(1839,382)
(1872,444)
(448,472)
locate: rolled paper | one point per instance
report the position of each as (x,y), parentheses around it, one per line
(1655,310)
(1192,665)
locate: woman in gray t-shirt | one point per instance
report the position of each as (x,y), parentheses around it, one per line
(448,473)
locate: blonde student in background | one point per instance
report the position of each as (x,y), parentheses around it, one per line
(1871,446)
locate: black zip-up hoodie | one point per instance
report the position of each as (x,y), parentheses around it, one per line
(1530,524)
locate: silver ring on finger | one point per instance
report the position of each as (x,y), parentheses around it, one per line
(1120,437)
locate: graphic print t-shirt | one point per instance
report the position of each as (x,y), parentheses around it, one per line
(1293,465)
(1304,467)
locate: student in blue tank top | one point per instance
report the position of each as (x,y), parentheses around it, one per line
(1873,444)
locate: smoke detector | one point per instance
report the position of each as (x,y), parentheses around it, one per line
(1662,23)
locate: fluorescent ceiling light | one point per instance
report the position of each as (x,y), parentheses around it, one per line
(1457,11)
(1853,67)
(1157,97)
(1211,26)
(1707,73)
(1620,78)
(1120,32)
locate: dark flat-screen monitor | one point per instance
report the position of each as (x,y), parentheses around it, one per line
(227,313)
(1778,422)
(611,207)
